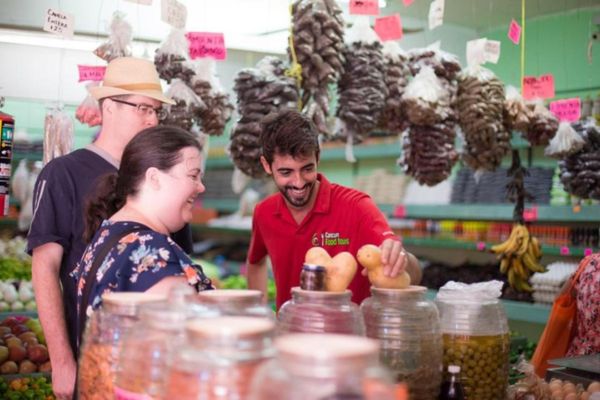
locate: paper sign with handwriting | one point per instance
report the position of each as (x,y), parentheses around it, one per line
(476,51)
(436,13)
(567,110)
(407,2)
(514,32)
(91,72)
(173,13)
(364,7)
(530,214)
(492,51)
(59,23)
(541,87)
(389,28)
(142,2)
(206,44)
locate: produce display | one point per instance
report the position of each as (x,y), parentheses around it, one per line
(37,388)
(480,106)
(16,296)
(396,76)
(519,258)
(369,256)
(339,269)
(58,134)
(15,263)
(580,172)
(566,142)
(542,126)
(241,282)
(88,112)
(516,113)
(187,104)
(260,91)
(318,40)
(119,39)
(361,88)
(22,346)
(171,57)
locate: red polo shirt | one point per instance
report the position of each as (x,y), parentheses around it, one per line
(342,219)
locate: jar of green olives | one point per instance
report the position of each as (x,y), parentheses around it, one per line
(475,337)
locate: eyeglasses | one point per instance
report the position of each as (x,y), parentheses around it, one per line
(145,109)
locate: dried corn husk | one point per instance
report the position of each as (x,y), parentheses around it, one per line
(516,112)
(566,142)
(426,100)
(397,73)
(542,126)
(187,104)
(172,56)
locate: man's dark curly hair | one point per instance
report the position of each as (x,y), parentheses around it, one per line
(288,133)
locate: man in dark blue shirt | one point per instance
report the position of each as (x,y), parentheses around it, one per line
(130,100)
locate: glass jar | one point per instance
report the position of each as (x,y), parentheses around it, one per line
(320,312)
(220,358)
(475,337)
(236,302)
(312,277)
(103,340)
(150,345)
(408,329)
(323,366)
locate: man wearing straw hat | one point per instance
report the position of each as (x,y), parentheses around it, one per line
(130,100)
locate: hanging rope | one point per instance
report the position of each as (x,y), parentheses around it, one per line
(522,43)
(295,69)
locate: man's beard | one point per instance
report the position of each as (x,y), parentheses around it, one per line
(294,201)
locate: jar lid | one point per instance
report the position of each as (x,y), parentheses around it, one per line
(229,295)
(409,290)
(227,328)
(127,303)
(321,293)
(313,267)
(324,347)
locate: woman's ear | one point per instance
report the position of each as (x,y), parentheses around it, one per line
(153,178)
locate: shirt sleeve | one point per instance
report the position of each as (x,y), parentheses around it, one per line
(52,208)
(258,249)
(373,227)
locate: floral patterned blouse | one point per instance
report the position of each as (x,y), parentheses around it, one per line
(587,331)
(138,261)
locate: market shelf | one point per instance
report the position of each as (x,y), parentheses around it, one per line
(227,205)
(222,230)
(566,251)
(517,310)
(23,313)
(493,212)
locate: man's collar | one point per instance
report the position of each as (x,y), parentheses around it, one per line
(104,154)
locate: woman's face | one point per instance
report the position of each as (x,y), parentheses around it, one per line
(182,185)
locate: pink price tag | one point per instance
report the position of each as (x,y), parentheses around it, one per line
(407,2)
(514,32)
(91,73)
(399,212)
(541,87)
(389,28)
(567,110)
(364,7)
(564,251)
(481,246)
(206,44)
(588,252)
(530,214)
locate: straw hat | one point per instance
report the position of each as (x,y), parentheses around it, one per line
(128,75)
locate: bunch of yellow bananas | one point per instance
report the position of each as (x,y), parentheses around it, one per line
(519,258)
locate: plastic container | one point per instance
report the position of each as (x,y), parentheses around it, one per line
(103,340)
(408,329)
(320,312)
(475,337)
(150,345)
(236,302)
(323,366)
(220,358)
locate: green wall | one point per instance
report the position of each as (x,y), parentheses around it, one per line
(554,44)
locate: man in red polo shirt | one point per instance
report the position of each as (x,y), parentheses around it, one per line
(310,211)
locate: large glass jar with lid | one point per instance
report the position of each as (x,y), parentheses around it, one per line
(320,312)
(236,302)
(408,329)
(475,337)
(103,341)
(220,358)
(323,366)
(150,344)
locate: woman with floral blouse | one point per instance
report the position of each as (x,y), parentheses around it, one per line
(151,196)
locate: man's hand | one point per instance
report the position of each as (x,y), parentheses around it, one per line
(63,379)
(393,257)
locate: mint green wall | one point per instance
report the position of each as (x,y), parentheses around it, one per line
(554,44)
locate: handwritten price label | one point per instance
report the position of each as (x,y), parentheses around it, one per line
(514,32)
(407,2)
(567,110)
(364,7)
(59,23)
(399,212)
(530,214)
(206,44)
(564,251)
(541,87)
(587,252)
(476,51)
(173,13)
(389,28)
(91,73)
(436,13)
(492,51)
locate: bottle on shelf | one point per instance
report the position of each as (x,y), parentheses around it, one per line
(452,388)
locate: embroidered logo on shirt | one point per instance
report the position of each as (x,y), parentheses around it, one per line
(329,239)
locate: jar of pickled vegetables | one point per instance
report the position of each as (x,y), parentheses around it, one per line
(320,312)
(220,358)
(323,366)
(103,342)
(236,302)
(475,337)
(408,329)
